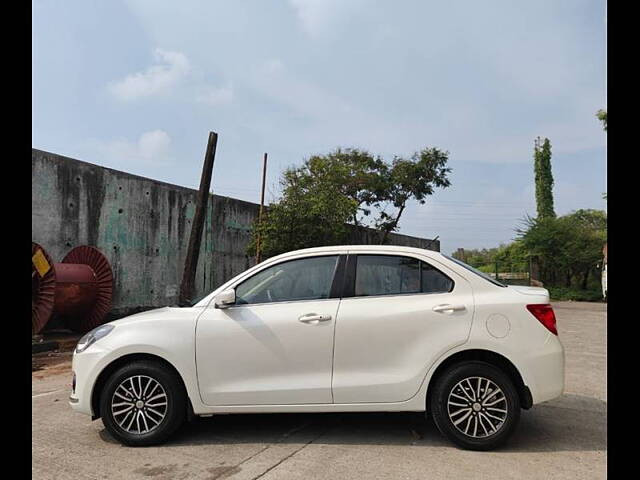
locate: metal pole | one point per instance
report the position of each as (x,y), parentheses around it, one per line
(195,238)
(264,177)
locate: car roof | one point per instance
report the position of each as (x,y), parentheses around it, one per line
(362,248)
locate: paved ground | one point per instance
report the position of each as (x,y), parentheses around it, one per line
(564,438)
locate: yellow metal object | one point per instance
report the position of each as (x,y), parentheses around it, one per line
(41,263)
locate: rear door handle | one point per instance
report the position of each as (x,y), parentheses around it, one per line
(446,308)
(314,318)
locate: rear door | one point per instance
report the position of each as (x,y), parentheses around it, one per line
(399,313)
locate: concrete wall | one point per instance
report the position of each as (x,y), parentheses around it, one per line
(369,236)
(143,227)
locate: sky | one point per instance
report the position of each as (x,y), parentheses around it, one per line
(137,85)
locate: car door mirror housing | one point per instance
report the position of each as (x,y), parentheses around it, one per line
(225,298)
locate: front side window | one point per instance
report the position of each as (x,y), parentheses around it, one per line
(303,279)
(396,275)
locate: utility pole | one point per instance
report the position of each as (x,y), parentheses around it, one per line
(264,177)
(195,238)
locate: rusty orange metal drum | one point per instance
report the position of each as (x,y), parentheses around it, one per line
(87,292)
(77,290)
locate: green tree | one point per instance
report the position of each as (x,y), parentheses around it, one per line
(414,178)
(589,234)
(543,178)
(478,257)
(602,116)
(311,212)
(513,256)
(510,257)
(568,249)
(353,173)
(328,192)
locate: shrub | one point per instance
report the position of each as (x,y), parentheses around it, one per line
(574,294)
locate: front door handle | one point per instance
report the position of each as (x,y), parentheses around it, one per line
(314,318)
(446,308)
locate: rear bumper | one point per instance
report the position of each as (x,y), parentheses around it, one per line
(545,371)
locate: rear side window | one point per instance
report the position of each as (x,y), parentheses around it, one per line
(433,280)
(395,275)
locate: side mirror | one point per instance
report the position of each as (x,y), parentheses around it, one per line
(225,299)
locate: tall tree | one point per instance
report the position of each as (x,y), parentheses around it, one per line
(543,178)
(602,116)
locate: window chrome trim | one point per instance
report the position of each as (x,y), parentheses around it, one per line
(242,305)
(389,295)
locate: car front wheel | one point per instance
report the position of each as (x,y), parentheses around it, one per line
(475,405)
(142,403)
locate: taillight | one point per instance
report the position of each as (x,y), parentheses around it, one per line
(544,313)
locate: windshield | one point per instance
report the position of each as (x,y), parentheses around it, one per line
(476,271)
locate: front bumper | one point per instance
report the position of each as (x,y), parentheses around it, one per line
(86,367)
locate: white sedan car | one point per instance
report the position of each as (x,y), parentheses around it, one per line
(330,329)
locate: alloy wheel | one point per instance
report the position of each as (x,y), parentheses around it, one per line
(477,407)
(139,404)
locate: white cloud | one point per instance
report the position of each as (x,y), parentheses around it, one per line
(169,69)
(317,16)
(154,144)
(215,96)
(151,147)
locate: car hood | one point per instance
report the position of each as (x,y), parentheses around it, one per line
(157,314)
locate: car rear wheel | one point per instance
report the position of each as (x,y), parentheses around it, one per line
(475,405)
(142,403)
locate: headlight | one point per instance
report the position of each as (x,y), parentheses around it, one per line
(93,336)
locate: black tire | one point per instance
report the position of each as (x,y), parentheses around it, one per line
(175,412)
(447,386)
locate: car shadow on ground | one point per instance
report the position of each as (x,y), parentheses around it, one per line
(570,423)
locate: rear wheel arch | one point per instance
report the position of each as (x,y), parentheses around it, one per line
(499,361)
(124,360)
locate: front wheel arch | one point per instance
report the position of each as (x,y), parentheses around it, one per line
(499,361)
(125,359)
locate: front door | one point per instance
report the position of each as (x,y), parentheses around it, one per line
(275,345)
